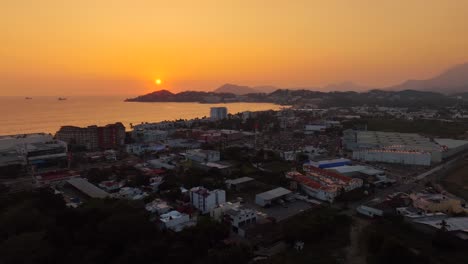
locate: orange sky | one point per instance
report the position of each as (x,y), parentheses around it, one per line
(89,47)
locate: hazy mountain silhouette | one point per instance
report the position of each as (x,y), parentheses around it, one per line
(453,80)
(345,86)
(235,89)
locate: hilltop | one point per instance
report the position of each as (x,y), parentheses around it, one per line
(453,80)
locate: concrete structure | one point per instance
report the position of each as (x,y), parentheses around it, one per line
(94,137)
(238,216)
(87,188)
(323,164)
(268,198)
(206,200)
(203,156)
(372,208)
(218,113)
(175,221)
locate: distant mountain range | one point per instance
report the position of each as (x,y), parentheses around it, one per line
(448,88)
(236,89)
(453,80)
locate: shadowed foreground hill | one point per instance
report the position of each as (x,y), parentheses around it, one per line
(37,228)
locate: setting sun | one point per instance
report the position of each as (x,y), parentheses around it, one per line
(157,81)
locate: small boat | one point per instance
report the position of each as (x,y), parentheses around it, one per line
(28,98)
(62,98)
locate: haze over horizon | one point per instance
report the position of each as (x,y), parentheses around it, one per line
(65,48)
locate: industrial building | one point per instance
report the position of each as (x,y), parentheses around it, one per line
(39,150)
(323,164)
(206,200)
(218,113)
(322,184)
(268,198)
(401,148)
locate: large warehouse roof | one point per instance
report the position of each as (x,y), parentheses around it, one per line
(273,194)
(88,188)
(450,143)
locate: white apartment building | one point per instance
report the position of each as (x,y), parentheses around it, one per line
(218,113)
(206,200)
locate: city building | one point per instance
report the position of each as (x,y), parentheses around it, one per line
(203,156)
(139,148)
(94,137)
(39,150)
(206,200)
(239,218)
(266,199)
(218,113)
(236,215)
(149,135)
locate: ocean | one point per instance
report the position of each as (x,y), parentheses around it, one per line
(48,114)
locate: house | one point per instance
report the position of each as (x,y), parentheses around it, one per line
(430,202)
(130,193)
(202,155)
(175,221)
(158,206)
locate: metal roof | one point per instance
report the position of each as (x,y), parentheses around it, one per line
(275,193)
(450,143)
(239,180)
(88,188)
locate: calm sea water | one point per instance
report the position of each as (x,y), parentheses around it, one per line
(47,114)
